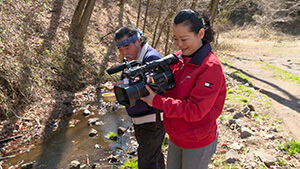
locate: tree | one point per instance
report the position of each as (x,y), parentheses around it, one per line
(145,19)
(122,3)
(139,13)
(167,48)
(81,18)
(158,19)
(213,7)
(169,15)
(79,24)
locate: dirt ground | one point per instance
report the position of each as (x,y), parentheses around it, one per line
(251,59)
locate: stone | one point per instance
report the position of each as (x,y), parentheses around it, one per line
(96,165)
(232,121)
(121,131)
(270,137)
(238,115)
(232,156)
(253,129)
(97,146)
(112,159)
(99,123)
(113,138)
(245,132)
(93,132)
(86,112)
(75,164)
(236,146)
(92,121)
(28,165)
(273,129)
(232,109)
(245,110)
(267,159)
(251,107)
(254,141)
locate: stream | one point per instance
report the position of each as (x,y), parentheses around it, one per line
(76,142)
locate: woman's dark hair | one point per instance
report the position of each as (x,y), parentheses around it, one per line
(196,21)
(129,30)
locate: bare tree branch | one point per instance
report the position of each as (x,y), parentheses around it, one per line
(139,13)
(146,14)
(170,15)
(158,19)
(213,10)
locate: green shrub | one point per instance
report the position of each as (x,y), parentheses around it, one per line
(132,164)
(292,148)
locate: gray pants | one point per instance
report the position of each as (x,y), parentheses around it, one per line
(180,158)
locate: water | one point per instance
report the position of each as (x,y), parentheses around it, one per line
(74,143)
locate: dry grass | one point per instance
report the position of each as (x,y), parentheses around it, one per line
(257,41)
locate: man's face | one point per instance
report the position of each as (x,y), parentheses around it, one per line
(131,50)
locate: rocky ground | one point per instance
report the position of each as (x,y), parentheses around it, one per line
(254,141)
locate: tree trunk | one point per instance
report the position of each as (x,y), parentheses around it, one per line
(122,2)
(213,10)
(146,14)
(78,13)
(139,13)
(158,19)
(79,24)
(86,18)
(81,18)
(167,40)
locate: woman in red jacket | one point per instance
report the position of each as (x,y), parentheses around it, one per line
(191,108)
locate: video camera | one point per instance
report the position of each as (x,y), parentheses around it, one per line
(157,74)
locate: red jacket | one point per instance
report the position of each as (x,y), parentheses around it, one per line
(192,107)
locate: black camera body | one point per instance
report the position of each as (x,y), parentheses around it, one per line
(157,74)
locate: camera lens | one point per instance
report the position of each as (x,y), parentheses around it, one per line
(128,94)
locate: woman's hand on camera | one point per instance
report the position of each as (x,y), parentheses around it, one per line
(149,99)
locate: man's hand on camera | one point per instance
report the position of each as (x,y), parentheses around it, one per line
(110,86)
(149,99)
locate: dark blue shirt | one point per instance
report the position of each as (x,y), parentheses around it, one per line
(141,108)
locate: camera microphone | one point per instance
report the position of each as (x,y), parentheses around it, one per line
(116,68)
(121,67)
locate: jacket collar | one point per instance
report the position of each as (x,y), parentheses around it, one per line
(200,54)
(142,53)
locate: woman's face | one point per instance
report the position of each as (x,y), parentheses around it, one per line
(187,41)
